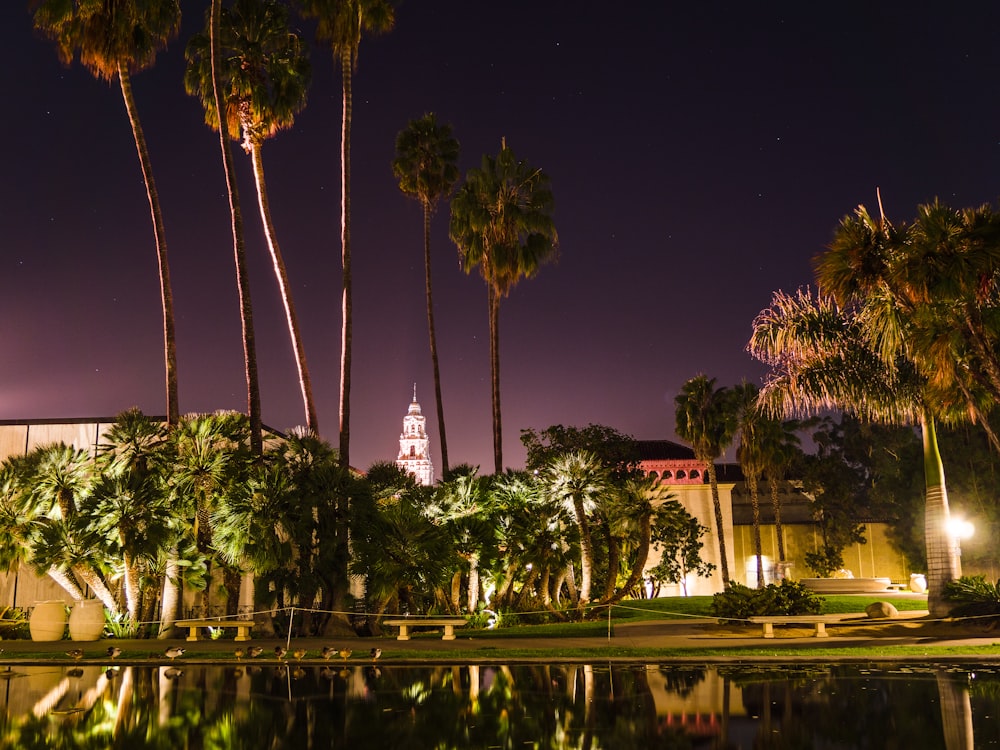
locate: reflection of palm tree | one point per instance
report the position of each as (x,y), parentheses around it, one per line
(956,709)
(501,221)
(265,73)
(425,165)
(115,40)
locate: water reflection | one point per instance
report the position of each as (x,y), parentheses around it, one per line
(500,706)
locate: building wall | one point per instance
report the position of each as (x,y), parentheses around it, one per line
(875,559)
(696,499)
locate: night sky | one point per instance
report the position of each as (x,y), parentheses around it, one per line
(700,155)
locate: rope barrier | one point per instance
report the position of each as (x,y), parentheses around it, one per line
(665,614)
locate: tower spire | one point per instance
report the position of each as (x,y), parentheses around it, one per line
(414,393)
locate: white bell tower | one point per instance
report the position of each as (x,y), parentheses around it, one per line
(414,446)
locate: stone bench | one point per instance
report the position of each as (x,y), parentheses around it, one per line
(242,627)
(820,621)
(846,585)
(448,623)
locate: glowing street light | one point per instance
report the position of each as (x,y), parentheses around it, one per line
(959,529)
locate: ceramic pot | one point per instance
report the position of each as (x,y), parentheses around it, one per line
(918,583)
(86,621)
(47,621)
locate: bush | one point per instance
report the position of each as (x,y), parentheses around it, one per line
(739,602)
(13,624)
(974,597)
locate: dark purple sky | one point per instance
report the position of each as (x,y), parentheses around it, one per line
(700,154)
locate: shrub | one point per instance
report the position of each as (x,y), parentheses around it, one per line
(14,623)
(739,602)
(974,596)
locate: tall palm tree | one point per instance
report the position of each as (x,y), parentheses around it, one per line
(239,243)
(632,512)
(749,453)
(932,286)
(501,221)
(461,505)
(117,40)
(21,522)
(704,419)
(926,295)
(341,23)
(265,74)
(60,479)
(823,357)
(427,170)
(129,502)
(577,481)
(779,446)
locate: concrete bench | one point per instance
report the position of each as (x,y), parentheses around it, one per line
(449,624)
(846,585)
(820,621)
(242,627)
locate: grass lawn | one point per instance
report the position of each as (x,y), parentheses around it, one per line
(674,608)
(679,607)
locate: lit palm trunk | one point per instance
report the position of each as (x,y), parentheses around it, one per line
(943,565)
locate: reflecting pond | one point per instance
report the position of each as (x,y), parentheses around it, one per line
(631,705)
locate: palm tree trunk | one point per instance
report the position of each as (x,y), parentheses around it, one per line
(493,297)
(281,274)
(66,582)
(473,582)
(758,550)
(346,67)
(614,563)
(586,552)
(776,504)
(131,581)
(719,528)
(641,555)
(433,336)
(98,586)
(456,591)
(159,235)
(943,561)
(239,248)
(170,598)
